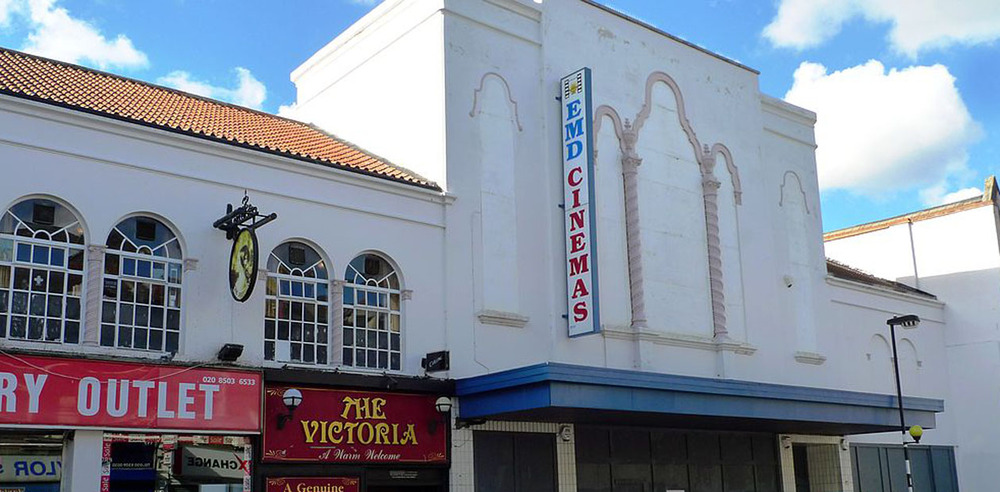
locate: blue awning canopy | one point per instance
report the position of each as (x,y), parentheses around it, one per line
(555,392)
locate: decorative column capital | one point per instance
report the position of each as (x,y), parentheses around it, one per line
(406,294)
(190,264)
(94,250)
(630,164)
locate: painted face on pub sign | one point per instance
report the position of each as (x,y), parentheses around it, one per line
(243,265)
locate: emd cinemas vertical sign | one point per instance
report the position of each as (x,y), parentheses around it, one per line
(578,171)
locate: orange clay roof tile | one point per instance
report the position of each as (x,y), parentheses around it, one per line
(32,77)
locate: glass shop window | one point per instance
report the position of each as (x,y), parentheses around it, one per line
(30,462)
(169,463)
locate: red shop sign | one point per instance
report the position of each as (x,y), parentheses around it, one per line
(119,395)
(353,427)
(333,484)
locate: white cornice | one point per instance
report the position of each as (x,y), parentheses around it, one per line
(881,292)
(679,340)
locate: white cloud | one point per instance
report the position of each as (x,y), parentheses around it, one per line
(54,33)
(916,24)
(936,195)
(7,9)
(288,110)
(248,92)
(881,131)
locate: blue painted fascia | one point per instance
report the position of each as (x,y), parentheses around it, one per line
(620,378)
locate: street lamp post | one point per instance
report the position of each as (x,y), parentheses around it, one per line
(908,321)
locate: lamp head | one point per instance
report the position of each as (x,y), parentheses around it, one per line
(292,398)
(443,404)
(907,321)
(916,432)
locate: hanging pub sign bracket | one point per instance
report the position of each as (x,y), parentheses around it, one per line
(240,226)
(236,219)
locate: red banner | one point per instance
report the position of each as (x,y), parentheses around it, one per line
(353,427)
(119,395)
(333,484)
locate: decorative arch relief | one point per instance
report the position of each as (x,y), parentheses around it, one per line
(476,98)
(797,182)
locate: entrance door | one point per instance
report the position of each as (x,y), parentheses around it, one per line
(514,462)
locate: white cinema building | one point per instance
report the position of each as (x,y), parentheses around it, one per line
(725,353)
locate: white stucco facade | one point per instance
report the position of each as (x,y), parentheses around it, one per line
(733,286)
(709,236)
(954,252)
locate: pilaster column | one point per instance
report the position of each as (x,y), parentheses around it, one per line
(710,192)
(630,181)
(335,322)
(93,294)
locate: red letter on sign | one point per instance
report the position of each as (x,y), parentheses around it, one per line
(580,311)
(575,181)
(580,289)
(576,243)
(576,220)
(579,265)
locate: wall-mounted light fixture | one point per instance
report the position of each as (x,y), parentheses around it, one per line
(292,398)
(230,352)
(786,442)
(443,406)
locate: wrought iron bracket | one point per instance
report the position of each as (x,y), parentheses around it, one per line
(246,216)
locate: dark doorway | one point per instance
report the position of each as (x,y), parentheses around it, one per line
(515,462)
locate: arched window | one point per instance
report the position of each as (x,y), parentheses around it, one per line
(143,267)
(41,272)
(297,304)
(371,314)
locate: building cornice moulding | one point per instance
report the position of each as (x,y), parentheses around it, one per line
(812,358)
(502,318)
(890,294)
(679,340)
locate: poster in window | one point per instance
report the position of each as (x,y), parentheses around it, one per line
(243,265)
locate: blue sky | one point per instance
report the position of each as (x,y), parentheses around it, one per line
(906,92)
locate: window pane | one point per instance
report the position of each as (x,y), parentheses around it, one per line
(54,309)
(174,275)
(53,330)
(72,308)
(111,264)
(128,266)
(173,297)
(23,252)
(173,319)
(157,297)
(56,282)
(19,303)
(36,326)
(72,334)
(58,256)
(6,249)
(39,280)
(107,335)
(74,286)
(76,260)
(125,314)
(155,340)
(22,278)
(18,326)
(127,293)
(110,289)
(173,339)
